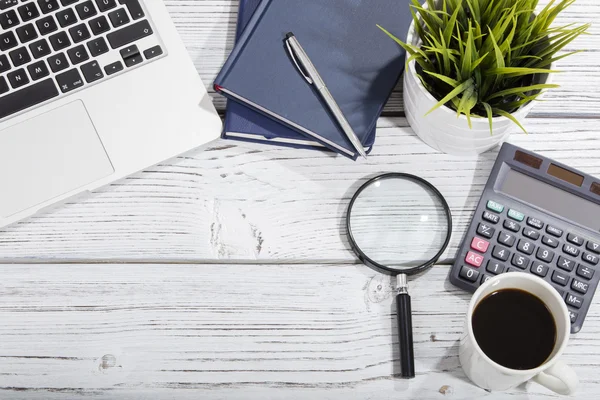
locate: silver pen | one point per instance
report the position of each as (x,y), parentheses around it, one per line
(310,73)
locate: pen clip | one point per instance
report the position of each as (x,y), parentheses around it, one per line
(293,57)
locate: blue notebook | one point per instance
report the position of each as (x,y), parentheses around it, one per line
(358,62)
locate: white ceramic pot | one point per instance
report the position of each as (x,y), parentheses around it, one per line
(442,129)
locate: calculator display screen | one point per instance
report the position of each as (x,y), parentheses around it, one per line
(552,199)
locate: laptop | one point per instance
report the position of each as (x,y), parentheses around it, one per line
(91,91)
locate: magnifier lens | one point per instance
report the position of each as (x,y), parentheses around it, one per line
(399,223)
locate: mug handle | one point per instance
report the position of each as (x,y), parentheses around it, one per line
(559,378)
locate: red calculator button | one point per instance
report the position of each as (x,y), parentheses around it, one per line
(480,245)
(474,259)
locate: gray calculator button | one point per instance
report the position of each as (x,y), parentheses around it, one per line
(560,278)
(550,241)
(573,316)
(494,267)
(565,263)
(491,217)
(595,247)
(571,250)
(485,230)
(539,269)
(575,239)
(526,247)
(500,253)
(506,239)
(544,255)
(469,274)
(531,233)
(512,226)
(554,231)
(588,257)
(485,278)
(574,300)
(534,222)
(519,261)
(585,272)
(579,286)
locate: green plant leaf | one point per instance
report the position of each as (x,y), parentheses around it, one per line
(457,90)
(444,78)
(509,116)
(512,72)
(522,90)
(490,115)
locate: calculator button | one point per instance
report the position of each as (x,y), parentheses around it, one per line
(592,259)
(585,272)
(574,300)
(495,207)
(520,261)
(580,286)
(480,245)
(539,269)
(571,250)
(573,316)
(469,274)
(575,239)
(544,255)
(531,233)
(554,231)
(591,246)
(474,259)
(500,253)
(549,241)
(485,230)
(565,263)
(494,267)
(506,239)
(493,218)
(560,278)
(526,247)
(534,222)
(516,215)
(485,278)
(512,226)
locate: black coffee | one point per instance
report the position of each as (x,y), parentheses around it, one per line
(515,329)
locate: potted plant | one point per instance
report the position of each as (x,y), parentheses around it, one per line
(476,67)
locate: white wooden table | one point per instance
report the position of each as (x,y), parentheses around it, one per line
(226,274)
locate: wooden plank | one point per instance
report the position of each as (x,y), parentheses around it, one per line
(208,31)
(237,331)
(237,201)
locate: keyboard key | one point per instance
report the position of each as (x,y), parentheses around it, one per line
(58,62)
(118,17)
(535,223)
(554,231)
(78,54)
(488,216)
(573,316)
(60,41)
(26,33)
(591,246)
(157,51)
(469,274)
(129,51)
(477,244)
(66,17)
(550,241)
(500,253)
(571,250)
(6,4)
(4,64)
(565,263)
(133,60)
(46,25)
(483,229)
(506,239)
(20,56)
(9,19)
(494,267)
(92,71)
(97,46)
(27,97)
(516,215)
(70,80)
(105,5)
(40,48)
(590,258)
(47,6)
(99,25)
(38,70)
(130,34)
(68,2)
(8,41)
(512,226)
(495,207)
(79,33)
(113,68)
(575,239)
(544,255)
(585,272)
(28,12)
(560,278)
(531,233)
(134,8)
(579,286)
(520,261)
(3,85)
(474,259)
(574,301)
(86,10)
(18,78)
(526,247)
(539,269)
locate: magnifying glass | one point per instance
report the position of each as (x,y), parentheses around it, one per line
(399,224)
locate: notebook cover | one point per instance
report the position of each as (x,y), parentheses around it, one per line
(245,124)
(357,61)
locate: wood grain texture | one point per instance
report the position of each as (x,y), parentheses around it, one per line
(208,31)
(237,332)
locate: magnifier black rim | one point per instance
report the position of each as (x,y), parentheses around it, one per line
(383,268)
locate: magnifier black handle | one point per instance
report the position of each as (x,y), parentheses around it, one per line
(405,335)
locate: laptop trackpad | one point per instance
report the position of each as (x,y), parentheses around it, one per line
(48,156)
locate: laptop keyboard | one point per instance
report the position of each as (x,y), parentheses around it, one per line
(49,48)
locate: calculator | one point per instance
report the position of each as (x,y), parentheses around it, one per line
(536,216)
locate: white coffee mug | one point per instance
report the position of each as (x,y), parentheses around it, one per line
(487,374)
